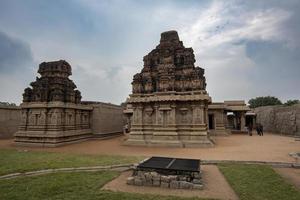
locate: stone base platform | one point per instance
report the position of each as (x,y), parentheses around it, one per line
(40,139)
(199,142)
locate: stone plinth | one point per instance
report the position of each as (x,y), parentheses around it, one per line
(154,179)
(51,112)
(168,99)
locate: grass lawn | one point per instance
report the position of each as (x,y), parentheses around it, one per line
(67,186)
(258,182)
(20,161)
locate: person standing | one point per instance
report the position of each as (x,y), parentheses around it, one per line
(261,130)
(257,127)
(250,129)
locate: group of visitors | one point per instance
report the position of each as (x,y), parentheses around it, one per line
(259,129)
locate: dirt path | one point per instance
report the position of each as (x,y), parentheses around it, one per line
(215,186)
(235,147)
(291,175)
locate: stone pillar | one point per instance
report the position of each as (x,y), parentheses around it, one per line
(234,120)
(202,107)
(173,115)
(243,121)
(206,117)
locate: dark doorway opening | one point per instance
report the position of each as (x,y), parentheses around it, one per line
(249,121)
(211,122)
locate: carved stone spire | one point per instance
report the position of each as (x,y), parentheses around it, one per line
(169,67)
(53,85)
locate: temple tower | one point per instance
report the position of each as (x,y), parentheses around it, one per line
(169,99)
(52,113)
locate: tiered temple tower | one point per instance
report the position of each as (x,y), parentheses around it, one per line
(169,99)
(52,113)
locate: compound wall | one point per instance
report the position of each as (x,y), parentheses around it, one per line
(280,119)
(107,118)
(10,118)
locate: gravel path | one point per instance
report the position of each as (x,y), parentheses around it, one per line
(291,175)
(235,147)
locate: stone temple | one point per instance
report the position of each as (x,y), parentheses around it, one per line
(169,106)
(169,98)
(51,112)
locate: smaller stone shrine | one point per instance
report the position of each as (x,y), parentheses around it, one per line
(174,173)
(51,112)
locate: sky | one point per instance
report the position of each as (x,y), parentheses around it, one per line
(247,48)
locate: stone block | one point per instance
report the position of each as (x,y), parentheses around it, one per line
(140,173)
(138,181)
(148,183)
(197,186)
(197,175)
(165,179)
(172,178)
(182,178)
(153,174)
(130,180)
(196,181)
(156,178)
(148,176)
(174,184)
(185,185)
(164,185)
(156,183)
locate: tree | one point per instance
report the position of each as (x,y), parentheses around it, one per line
(291,102)
(264,101)
(7,104)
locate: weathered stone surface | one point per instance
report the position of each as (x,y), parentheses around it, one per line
(169,67)
(197,187)
(138,181)
(164,185)
(174,184)
(279,119)
(165,179)
(185,185)
(172,178)
(10,118)
(197,181)
(148,183)
(130,181)
(169,92)
(197,175)
(53,85)
(155,179)
(51,113)
(148,176)
(182,178)
(107,119)
(156,183)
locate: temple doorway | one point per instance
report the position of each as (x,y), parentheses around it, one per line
(211,122)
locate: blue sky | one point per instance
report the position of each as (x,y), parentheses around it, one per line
(247,48)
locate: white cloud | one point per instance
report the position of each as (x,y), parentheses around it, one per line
(108,51)
(218,37)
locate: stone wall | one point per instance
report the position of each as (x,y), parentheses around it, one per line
(106,118)
(10,118)
(279,119)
